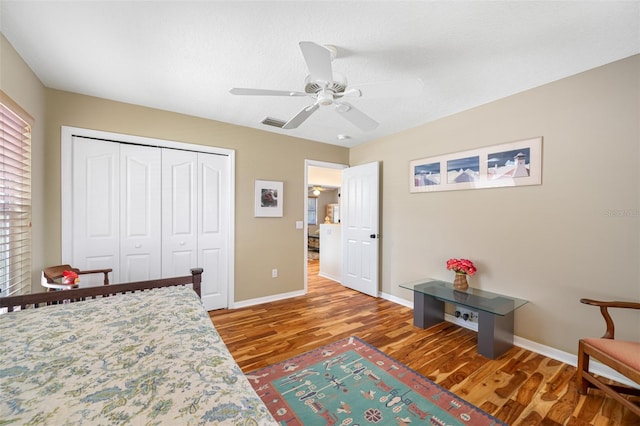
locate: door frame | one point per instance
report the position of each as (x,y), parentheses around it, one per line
(66,138)
(314,163)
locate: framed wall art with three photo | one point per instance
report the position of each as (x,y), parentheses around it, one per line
(509,164)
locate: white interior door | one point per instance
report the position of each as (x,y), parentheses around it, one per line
(179,212)
(140,243)
(213,229)
(95,208)
(148,208)
(116,210)
(360,234)
(195,222)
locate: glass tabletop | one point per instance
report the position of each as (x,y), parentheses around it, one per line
(473,298)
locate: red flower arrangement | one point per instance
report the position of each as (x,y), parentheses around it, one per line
(69,277)
(461,266)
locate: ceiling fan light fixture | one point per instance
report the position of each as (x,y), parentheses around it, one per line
(325,98)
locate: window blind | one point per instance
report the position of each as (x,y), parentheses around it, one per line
(15,199)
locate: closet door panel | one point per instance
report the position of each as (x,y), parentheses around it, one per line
(140,214)
(137,268)
(213,234)
(95,207)
(179,212)
(180,261)
(212,287)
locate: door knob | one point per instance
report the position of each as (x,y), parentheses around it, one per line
(374,236)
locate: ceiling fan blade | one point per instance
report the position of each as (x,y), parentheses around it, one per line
(301,116)
(264,92)
(356,117)
(387,89)
(318,59)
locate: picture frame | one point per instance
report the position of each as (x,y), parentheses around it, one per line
(516,163)
(269,198)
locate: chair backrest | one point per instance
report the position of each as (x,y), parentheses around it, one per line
(54,272)
(50,274)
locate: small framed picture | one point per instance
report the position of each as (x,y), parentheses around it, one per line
(269,198)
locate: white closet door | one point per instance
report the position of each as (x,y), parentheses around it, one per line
(95,208)
(147,212)
(179,212)
(213,228)
(140,216)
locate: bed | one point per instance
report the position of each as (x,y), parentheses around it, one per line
(141,353)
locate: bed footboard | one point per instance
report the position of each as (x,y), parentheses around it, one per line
(78,294)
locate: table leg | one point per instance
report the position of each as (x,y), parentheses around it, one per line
(427,310)
(495,334)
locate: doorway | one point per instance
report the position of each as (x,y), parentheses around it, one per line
(322,214)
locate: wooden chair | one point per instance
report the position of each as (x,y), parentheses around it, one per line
(620,355)
(53,273)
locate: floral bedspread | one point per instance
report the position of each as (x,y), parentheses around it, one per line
(146,358)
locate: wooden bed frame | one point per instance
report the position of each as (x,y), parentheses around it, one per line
(74,295)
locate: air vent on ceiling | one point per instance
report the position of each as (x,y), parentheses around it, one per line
(270,121)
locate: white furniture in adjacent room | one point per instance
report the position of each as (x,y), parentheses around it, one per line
(331,251)
(333,213)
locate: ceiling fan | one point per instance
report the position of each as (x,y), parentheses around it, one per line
(316,190)
(329,88)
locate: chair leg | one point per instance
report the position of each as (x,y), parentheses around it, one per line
(583,366)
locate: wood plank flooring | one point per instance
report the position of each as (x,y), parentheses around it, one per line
(520,387)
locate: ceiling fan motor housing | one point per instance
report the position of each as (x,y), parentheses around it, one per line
(338,85)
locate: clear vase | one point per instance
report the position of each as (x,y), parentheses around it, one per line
(460,282)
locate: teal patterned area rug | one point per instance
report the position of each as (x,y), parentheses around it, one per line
(350,382)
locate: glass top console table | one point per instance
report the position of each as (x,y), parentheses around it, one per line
(495,311)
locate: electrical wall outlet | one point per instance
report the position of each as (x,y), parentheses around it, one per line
(466,314)
(274,273)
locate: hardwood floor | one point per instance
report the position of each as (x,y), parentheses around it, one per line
(520,387)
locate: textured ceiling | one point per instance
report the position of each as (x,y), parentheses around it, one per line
(185,56)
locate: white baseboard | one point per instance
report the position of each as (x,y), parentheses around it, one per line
(330,277)
(260,300)
(396,299)
(553,353)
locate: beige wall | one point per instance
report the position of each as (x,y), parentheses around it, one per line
(576,235)
(21,84)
